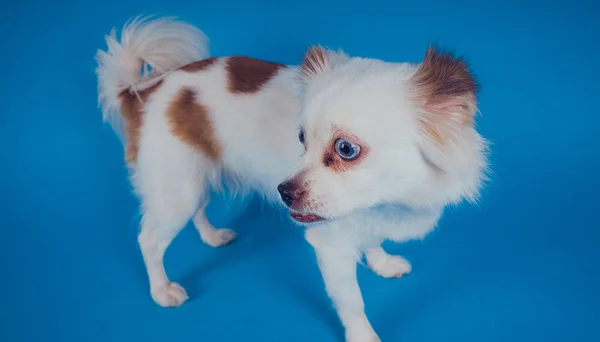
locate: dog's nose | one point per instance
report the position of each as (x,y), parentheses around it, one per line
(289,192)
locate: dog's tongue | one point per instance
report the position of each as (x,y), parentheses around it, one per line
(306,218)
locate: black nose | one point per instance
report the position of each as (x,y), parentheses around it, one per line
(289,192)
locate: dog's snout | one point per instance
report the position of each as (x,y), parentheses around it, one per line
(290,193)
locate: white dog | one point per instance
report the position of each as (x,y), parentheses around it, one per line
(359,150)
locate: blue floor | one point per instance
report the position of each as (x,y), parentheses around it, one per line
(523,266)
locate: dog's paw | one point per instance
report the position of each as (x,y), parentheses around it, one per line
(169,295)
(391,266)
(218,237)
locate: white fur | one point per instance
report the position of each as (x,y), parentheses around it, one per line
(393,194)
(162,44)
(387,266)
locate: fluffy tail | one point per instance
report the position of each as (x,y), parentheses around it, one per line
(147,51)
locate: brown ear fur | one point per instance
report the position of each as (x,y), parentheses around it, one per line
(446,91)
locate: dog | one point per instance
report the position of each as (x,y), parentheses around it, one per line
(358,150)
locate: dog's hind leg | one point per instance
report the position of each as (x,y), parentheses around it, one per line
(155,237)
(208,233)
(168,205)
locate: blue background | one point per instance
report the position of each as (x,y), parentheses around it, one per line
(523,266)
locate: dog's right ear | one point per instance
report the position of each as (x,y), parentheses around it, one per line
(318,60)
(444,90)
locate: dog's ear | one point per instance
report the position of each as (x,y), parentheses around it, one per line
(445,93)
(314,62)
(445,88)
(317,60)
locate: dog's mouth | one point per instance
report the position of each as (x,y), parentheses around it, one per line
(306,217)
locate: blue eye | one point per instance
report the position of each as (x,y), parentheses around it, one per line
(346,149)
(301,136)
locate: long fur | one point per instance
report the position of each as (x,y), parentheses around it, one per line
(277,130)
(146,52)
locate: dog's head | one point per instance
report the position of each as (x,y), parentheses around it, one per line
(377,132)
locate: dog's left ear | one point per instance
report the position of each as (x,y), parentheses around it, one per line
(444,90)
(318,60)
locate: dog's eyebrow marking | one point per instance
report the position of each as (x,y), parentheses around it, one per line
(132,110)
(199,65)
(189,121)
(249,75)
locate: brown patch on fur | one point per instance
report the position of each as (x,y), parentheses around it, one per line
(313,62)
(249,75)
(199,65)
(441,77)
(445,88)
(188,120)
(132,111)
(332,160)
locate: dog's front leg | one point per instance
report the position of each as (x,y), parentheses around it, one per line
(338,267)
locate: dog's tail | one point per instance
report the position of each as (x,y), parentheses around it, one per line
(148,50)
